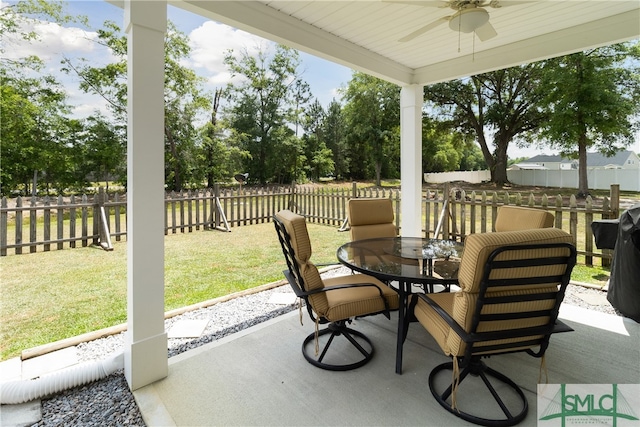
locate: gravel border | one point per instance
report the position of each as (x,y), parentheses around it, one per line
(109,402)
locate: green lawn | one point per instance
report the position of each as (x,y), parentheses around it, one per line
(48,296)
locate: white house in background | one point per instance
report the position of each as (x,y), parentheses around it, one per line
(621,160)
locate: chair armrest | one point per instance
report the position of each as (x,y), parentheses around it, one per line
(442,313)
(302,293)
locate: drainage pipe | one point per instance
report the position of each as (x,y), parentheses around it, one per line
(14,392)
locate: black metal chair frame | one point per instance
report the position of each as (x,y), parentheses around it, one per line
(471,362)
(336,328)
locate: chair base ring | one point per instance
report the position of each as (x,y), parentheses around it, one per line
(358,340)
(477,368)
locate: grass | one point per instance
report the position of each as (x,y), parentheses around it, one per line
(48,296)
(593,275)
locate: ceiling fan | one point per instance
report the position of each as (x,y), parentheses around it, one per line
(470,16)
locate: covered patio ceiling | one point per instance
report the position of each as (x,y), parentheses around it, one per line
(365,34)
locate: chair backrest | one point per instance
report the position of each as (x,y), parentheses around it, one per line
(512,218)
(512,284)
(302,274)
(371,218)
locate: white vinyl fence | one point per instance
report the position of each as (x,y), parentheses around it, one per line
(473,177)
(599,179)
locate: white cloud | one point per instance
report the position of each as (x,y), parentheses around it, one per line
(209,45)
(54,41)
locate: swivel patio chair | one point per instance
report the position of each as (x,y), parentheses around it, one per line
(334,301)
(512,218)
(512,284)
(371,218)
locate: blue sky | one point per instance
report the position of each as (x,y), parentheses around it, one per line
(208,39)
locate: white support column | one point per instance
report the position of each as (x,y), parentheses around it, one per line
(145,350)
(411,101)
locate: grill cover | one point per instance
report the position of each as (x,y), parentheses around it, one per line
(624,284)
(605,232)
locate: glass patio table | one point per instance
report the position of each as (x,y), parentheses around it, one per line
(428,264)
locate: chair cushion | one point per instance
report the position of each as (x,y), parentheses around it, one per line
(296,227)
(512,218)
(478,247)
(371,218)
(357,301)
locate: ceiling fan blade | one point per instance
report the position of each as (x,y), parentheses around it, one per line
(422,30)
(429,3)
(486,32)
(504,3)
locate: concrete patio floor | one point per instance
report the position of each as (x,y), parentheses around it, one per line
(259,377)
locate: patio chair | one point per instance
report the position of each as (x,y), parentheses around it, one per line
(334,301)
(371,218)
(512,284)
(512,218)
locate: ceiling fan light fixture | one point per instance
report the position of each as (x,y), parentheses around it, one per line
(469,20)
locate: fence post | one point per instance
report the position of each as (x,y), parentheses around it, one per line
(85,221)
(47,223)
(292,196)
(614,212)
(588,238)
(615,200)
(445,211)
(32,225)
(19,222)
(214,211)
(573,218)
(97,203)
(3,227)
(72,222)
(104,235)
(60,222)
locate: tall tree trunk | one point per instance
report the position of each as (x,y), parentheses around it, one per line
(378,172)
(212,136)
(499,171)
(583,185)
(34,189)
(177,174)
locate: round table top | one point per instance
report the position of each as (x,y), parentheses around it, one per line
(414,259)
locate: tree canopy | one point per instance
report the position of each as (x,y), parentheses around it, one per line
(268,123)
(591,102)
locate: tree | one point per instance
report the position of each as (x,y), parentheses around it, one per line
(592,102)
(503,103)
(16,127)
(334,132)
(34,104)
(261,110)
(318,155)
(33,129)
(372,115)
(183,97)
(105,147)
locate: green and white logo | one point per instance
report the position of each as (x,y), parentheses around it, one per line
(565,405)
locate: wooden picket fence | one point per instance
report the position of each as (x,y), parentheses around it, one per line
(54,223)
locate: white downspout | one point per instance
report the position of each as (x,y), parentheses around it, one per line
(14,392)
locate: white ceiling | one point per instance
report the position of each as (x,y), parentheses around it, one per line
(363,34)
